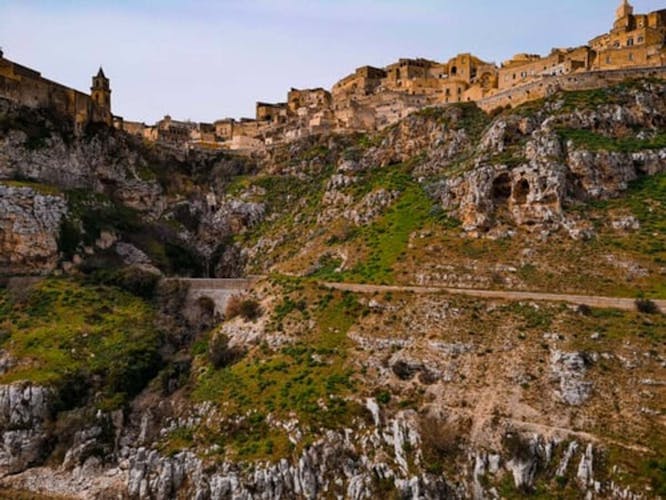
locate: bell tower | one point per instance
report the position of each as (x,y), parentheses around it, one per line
(624,10)
(101,91)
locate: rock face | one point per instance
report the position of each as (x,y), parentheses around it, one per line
(548,171)
(568,371)
(29,228)
(24,411)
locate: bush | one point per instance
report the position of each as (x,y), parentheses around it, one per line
(133,279)
(647,306)
(383,397)
(584,310)
(518,447)
(69,238)
(174,376)
(440,442)
(219,353)
(245,307)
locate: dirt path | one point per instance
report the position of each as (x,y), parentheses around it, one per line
(584,436)
(622,303)
(625,304)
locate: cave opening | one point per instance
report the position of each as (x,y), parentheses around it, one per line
(501,189)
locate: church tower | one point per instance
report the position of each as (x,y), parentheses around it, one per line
(101,91)
(624,10)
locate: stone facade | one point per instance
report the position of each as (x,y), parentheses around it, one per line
(372,98)
(27,86)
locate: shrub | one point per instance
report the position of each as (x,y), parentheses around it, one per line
(518,447)
(174,376)
(243,306)
(219,352)
(647,306)
(69,238)
(134,279)
(440,442)
(584,310)
(383,397)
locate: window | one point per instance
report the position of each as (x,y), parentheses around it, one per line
(630,42)
(641,39)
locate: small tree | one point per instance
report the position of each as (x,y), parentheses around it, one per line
(246,307)
(647,306)
(219,353)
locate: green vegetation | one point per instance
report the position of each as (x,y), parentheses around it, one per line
(82,339)
(309,379)
(533,317)
(386,239)
(593,141)
(645,200)
(36,186)
(460,116)
(302,194)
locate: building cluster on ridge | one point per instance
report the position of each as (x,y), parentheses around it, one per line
(373,98)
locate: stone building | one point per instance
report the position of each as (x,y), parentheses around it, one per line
(636,40)
(272,113)
(364,81)
(523,68)
(312,100)
(28,87)
(372,98)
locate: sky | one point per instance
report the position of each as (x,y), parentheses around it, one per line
(209,59)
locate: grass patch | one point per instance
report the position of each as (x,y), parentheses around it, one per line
(64,332)
(45,189)
(593,141)
(308,380)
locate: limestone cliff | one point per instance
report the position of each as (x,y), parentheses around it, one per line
(29,229)
(113,384)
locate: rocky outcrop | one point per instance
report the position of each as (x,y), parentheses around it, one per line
(532,195)
(568,371)
(29,228)
(24,412)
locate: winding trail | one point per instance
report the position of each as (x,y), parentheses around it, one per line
(625,304)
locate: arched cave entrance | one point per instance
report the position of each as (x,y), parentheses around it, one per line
(501,189)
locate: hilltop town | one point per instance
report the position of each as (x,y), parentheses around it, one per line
(314,303)
(373,98)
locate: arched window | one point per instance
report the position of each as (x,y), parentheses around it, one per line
(454,70)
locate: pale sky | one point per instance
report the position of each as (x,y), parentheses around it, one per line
(210,59)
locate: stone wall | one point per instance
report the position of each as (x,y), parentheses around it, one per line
(576,81)
(29,88)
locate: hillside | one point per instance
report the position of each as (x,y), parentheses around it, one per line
(115,383)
